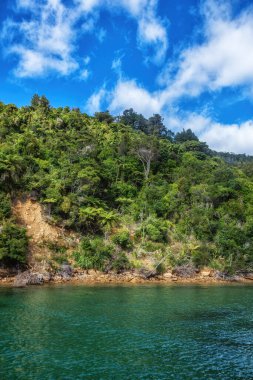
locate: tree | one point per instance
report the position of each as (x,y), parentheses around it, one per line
(128,117)
(104,117)
(156,127)
(185,135)
(40,102)
(134,120)
(146,152)
(13,243)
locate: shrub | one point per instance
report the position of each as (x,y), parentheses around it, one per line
(13,243)
(154,229)
(59,252)
(122,238)
(202,255)
(5,206)
(120,263)
(93,253)
(150,246)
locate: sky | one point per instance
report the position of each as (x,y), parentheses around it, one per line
(190,61)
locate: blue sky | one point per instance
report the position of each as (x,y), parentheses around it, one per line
(190,60)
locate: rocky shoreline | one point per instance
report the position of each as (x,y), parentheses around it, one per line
(67,275)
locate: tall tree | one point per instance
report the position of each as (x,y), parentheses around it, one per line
(185,135)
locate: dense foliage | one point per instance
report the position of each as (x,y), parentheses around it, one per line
(128,183)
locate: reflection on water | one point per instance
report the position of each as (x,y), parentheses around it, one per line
(142,332)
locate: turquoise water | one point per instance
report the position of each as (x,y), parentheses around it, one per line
(143,332)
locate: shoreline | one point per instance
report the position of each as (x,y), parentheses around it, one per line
(99,278)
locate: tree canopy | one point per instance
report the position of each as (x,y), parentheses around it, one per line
(128,177)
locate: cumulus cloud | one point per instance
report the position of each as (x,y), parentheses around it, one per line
(236,138)
(230,138)
(128,94)
(225,59)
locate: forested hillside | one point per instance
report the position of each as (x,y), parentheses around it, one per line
(129,186)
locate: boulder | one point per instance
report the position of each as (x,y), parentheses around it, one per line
(168,275)
(65,271)
(185,271)
(206,273)
(218,275)
(249,276)
(28,278)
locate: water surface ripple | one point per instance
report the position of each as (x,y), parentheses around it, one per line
(119,332)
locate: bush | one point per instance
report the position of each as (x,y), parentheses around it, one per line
(5,206)
(154,229)
(120,263)
(150,246)
(93,253)
(122,238)
(13,243)
(59,252)
(202,255)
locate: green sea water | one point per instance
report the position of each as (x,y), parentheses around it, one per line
(119,332)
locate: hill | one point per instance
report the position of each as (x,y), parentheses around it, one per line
(128,189)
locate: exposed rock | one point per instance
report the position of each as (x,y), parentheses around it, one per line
(7,272)
(28,278)
(147,273)
(206,273)
(236,278)
(185,271)
(218,275)
(46,276)
(65,271)
(249,276)
(168,275)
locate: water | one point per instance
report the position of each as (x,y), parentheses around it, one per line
(143,332)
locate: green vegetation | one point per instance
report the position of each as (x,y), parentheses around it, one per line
(13,243)
(129,184)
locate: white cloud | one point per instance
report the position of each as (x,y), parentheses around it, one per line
(128,94)
(230,138)
(101,34)
(87,5)
(49,35)
(152,32)
(94,103)
(25,3)
(236,138)
(84,74)
(86,60)
(45,42)
(135,7)
(225,59)
(34,63)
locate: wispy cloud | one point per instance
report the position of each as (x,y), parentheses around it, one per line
(95,101)
(43,42)
(223,60)
(46,38)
